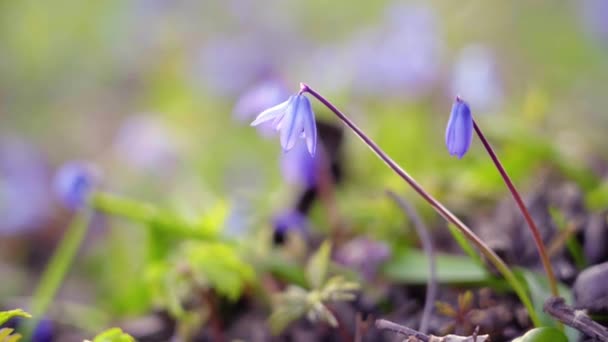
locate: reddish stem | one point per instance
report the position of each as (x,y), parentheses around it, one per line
(522,207)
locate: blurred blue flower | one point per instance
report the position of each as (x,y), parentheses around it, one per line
(402,56)
(44,331)
(459,132)
(25,194)
(288,221)
(74,183)
(364,256)
(261,96)
(299,167)
(294,119)
(593,15)
(475,77)
(144,141)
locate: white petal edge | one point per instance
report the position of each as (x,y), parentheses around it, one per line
(272,112)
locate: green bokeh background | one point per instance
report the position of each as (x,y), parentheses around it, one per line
(71,71)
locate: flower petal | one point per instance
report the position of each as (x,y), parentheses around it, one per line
(310,126)
(459,132)
(272,112)
(292,124)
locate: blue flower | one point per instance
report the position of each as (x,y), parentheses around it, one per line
(287,221)
(299,167)
(459,132)
(74,182)
(294,119)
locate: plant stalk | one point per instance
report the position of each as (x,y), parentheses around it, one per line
(444,212)
(540,246)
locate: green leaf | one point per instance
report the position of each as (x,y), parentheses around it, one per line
(465,244)
(538,286)
(213,220)
(5,332)
(316,270)
(544,334)
(216,265)
(412,267)
(285,270)
(113,335)
(6,315)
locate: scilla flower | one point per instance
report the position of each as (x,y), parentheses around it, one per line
(289,220)
(74,183)
(459,133)
(294,119)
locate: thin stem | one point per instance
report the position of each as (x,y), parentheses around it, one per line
(444,212)
(522,207)
(148,215)
(427,245)
(57,268)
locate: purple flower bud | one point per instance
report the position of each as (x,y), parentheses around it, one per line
(294,119)
(363,255)
(74,183)
(459,132)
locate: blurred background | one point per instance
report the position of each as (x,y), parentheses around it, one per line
(159,94)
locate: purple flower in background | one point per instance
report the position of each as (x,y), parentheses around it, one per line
(459,132)
(74,183)
(299,167)
(25,194)
(594,14)
(402,56)
(44,331)
(288,221)
(143,141)
(363,255)
(294,119)
(475,77)
(263,95)
(226,65)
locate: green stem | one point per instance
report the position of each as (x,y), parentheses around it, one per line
(444,212)
(146,214)
(58,267)
(123,207)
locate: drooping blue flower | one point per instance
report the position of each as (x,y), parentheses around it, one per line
(74,183)
(459,132)
(299,167)
(293,119)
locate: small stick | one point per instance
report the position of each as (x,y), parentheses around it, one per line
(361,327)
(383,324)
(578,319)
(427,245)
